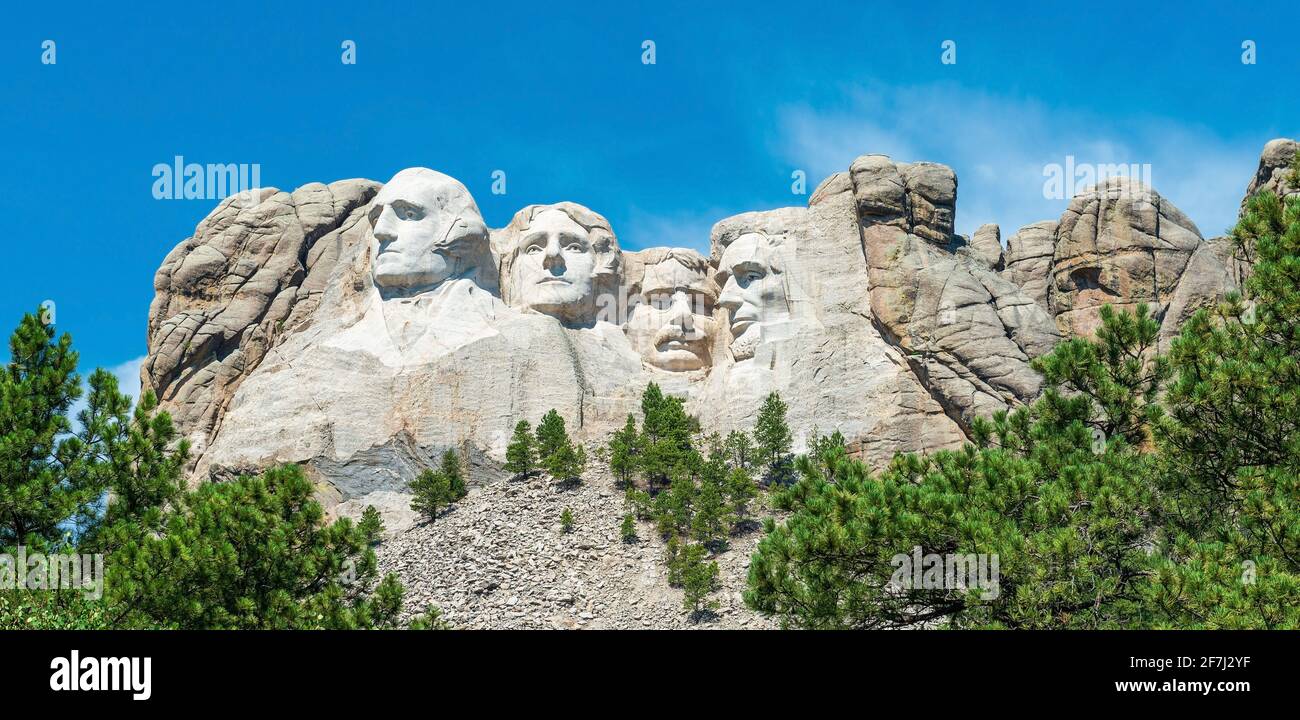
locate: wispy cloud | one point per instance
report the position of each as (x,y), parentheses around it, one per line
(128,378)
(1000,145)
(128,382)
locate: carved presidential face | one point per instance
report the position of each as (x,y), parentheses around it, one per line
(426,228)
(554,266)
(672,324)
(753,291)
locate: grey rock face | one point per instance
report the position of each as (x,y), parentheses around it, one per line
(251,272)
(986,246)
(1120,244)
(271,340)
(1028,262)
(920,198)
(1274,171)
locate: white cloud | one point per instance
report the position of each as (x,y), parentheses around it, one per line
(128,378)
(999,147)
(128,382)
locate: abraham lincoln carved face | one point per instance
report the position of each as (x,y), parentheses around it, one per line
(753,290)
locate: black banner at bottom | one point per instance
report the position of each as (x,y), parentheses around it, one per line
(934,669)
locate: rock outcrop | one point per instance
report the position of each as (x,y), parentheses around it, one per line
(1274,173)
(967,334)
(361,329)
(253,271)
(1120,244)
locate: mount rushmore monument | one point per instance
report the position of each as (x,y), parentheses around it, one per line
(361,328)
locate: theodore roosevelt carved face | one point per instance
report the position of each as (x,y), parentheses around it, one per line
(672,323)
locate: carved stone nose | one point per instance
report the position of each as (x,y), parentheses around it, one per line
(384,229)
(553,258)
(730,298)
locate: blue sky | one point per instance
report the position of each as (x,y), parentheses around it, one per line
(556,95)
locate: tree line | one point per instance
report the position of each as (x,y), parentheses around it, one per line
(1142,489)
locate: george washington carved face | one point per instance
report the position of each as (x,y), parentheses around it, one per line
(426,228)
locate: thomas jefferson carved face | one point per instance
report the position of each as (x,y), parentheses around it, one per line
(554,264)
(426,229)
(557,260)
(753,291)
(672,324)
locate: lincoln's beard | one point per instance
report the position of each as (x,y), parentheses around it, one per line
(743,347)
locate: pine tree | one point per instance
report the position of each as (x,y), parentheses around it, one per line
(628,529)
(551,435)
(699,579)
(431,493)
(371,525)
(432,619)
(52,475)
(741,449)
(772,434)
(451,469)
(47,474)
(665,437)
(567,464)
(712,508)
(624,451)
(566,521)
(673,557)
(639,502)
(827,449)
(252,553)
(521,453)
(740,490)
(1231,442)
(1069,525)
(674,507)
